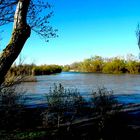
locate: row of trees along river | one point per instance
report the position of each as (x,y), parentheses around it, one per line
(32,69)
(97,64)
(114,65)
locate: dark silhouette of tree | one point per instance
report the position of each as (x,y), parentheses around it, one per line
(25,15)
(138,35)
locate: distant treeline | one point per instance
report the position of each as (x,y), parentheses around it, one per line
(27,69)
(47,69)
(115,65)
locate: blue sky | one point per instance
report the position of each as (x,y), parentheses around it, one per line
(86,28)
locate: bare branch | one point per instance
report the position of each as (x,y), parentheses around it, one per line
(38,16)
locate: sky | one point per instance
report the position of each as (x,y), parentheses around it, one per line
(85,28)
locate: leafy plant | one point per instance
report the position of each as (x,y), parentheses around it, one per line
(63,105)
(105,106)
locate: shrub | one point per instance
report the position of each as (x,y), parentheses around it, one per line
(10,103)
(63,105)
(105,105)
(104,101)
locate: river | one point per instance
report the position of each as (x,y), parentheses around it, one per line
(125,86)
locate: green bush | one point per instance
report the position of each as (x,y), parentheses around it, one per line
(63,105)
(47,69)
(105,106)
(104,101)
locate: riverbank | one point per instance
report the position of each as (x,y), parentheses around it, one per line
(32,124)
(125,125)
(29,79)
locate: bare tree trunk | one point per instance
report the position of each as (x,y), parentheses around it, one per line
(21,32)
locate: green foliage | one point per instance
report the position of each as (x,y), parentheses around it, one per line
(28,70)
(133,67)
(86,66)
(47,69)
(60,102)
(104,101)
(66,68)
(93,64)
(105,106)
(97,63)
(22,69)
(74,66)
(115,65)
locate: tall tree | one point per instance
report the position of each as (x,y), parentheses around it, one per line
(138,35)
(25,15)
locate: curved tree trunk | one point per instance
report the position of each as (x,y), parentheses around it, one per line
(21,32)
